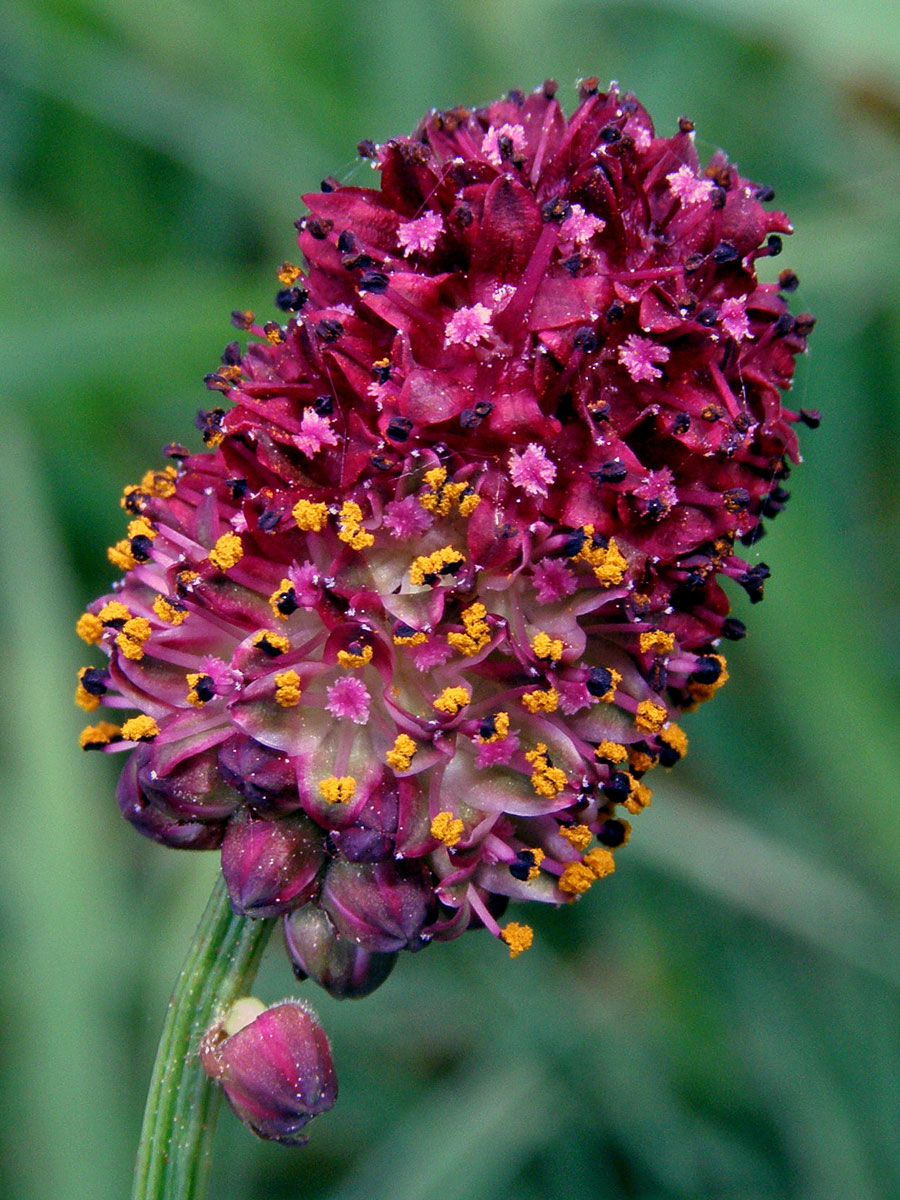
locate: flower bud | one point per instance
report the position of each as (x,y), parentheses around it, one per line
(318,952)
(270,867)
(275,1066)
(143,810)
(382,907)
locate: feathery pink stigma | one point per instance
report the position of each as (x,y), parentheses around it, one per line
(468,326)
(349,698)
(638,355)
(315,432)
(497,140)
(553,581)
(580,226)
(532,470)
(420,235)
(684,184)
(733,318)
(406,519)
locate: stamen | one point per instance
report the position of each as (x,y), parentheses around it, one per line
(338,789)
(447,828)
(400,757)
(287,689)
(140,729)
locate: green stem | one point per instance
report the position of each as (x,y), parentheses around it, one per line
(174,1154)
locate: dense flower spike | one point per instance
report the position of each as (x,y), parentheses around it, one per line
(406,638)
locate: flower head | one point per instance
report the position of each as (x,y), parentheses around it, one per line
(406,638)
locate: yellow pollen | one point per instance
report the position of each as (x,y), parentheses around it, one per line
(275,641)
(658,641)
(114,611)
(546,647)
(675,737)
(83,698)
(468,503)
(546,780)
(517,937)
(274,333)
(640,762)
(227,552)
(193,678)
(347,659)
(610,694)
(638,797)
(427,567)
(141,527)
(288,274)
(412,639)
(541,701)
(650,717)
(184,579)
(447,828)
(287,689)
(338,789)
(310,517)
(283,588)
(401,755)
(140,729)
(132,636)
(351,531)
(613,752)
(576,879)
(131,497)
(600,861)
(443,496)
(451,700)
(705,691)
(160,483)
(89,628)
(92,737)
(535,869)
(501,729)
(477,634)
(608,563)
(578,836)
(120,555)
(172,614)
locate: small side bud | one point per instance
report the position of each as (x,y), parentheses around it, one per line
(270,867)
(318,952)
(274,1065)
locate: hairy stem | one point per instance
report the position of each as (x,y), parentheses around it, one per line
(174,1154)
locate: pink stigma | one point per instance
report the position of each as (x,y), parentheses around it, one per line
(553,581)
(532,470)
(684,184)
(406,518)
(420,235)
(315,432)
(468,326)
(349,698)
(579,226)
(490,146)
(638,356)
(733,318)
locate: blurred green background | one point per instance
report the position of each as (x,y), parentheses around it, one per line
(720,1019)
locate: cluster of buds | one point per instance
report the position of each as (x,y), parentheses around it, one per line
(405,640)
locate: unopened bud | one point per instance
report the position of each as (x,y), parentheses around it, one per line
(274,1065)
(318,952)
(382,906)
(270,867)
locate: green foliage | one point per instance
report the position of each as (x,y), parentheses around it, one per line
(720,1018)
